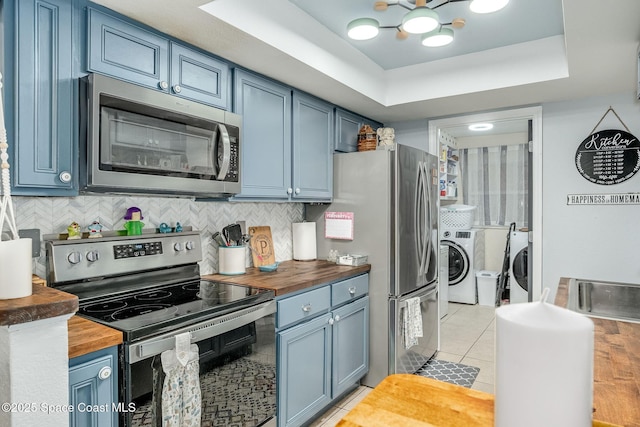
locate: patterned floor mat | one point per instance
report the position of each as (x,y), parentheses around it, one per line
(450,372)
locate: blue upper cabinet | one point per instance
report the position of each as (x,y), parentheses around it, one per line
(122,50)
(265,107)
(199,77)
(347,127)
(287,141)
(40,95)
(312,148)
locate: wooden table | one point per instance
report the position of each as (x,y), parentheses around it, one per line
(415,401)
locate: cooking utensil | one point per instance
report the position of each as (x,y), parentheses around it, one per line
(219,239)
(233,234)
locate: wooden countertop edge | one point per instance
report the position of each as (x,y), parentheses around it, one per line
(86,336)
(293,276)
(43,303)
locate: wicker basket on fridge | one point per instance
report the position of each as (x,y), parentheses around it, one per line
(367,139)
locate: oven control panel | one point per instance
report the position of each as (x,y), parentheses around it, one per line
(137,250)
(71,260)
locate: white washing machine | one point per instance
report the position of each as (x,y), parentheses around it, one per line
(466,256)
(518,267)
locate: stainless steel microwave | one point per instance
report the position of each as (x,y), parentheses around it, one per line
(140,140)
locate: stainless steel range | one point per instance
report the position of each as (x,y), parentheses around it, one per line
(149,287)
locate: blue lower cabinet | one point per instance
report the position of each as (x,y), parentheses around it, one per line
(350,345)
(304,377)
(93,389)
(323,357)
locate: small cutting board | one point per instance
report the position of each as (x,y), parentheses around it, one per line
(261,246)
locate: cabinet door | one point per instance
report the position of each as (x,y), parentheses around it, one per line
(198,77)
(43,98)
(313,135)
(265,107)
(350,345)
(304,371)
(92,385)
(124,51)
(347,128)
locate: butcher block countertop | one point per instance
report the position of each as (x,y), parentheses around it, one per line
(411,400)
(43,303)
(616,373)
(86,336)
(293,276)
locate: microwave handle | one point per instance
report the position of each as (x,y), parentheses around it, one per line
(224,159)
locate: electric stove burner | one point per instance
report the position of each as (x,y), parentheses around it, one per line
(159,310)
(153,296)
(191,287)
(105,307)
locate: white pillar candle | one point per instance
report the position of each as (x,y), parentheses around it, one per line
(544,366)
(15,268)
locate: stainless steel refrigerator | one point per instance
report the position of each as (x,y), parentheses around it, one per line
(393,196)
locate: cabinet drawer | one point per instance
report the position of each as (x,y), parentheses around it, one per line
(350,289)
(306,305)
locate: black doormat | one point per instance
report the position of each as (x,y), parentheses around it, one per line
(450,372)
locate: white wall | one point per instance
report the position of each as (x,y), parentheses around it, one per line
(414,133)
(586,241)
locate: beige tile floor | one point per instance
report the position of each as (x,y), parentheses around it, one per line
(466,336)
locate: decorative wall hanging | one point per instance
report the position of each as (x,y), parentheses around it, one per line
(604,199)
(609,156)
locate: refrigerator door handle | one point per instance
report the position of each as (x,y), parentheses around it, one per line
(427,219)
(418,207)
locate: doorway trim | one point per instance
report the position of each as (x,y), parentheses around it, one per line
(534,114)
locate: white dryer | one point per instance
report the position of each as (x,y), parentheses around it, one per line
(466,256)
(518,267)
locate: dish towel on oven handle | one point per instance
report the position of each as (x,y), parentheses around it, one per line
(181,395)
(412,323)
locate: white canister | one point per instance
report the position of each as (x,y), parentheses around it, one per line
(15,269)
(232,260)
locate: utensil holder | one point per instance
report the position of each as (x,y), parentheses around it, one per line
(15,268)
(232,260)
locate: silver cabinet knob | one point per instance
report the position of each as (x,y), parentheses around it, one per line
(189,245)
(337,317)
(352,290)
(74,257)
(104,373)
(178,246)
(306,308)
(330,321)
(297,191)
(65,176)
(177,89)
(163,85)
(289,190)
(93,256)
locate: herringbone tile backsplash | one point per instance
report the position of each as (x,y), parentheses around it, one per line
(53,214)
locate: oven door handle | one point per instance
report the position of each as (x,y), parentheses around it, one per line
(200,331)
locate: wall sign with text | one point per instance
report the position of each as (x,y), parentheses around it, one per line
(604,199)
(608,157)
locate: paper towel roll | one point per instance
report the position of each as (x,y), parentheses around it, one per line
(15,268)
(544,366)
(304,241)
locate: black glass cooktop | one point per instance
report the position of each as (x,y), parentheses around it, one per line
(153,309)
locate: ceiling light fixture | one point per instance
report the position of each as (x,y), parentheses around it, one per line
(420,20)
(481,126)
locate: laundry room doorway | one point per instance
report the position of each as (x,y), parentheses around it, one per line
(500,172)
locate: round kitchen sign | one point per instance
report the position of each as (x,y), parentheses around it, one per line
(608,157)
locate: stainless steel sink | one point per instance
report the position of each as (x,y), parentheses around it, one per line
(607,300)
